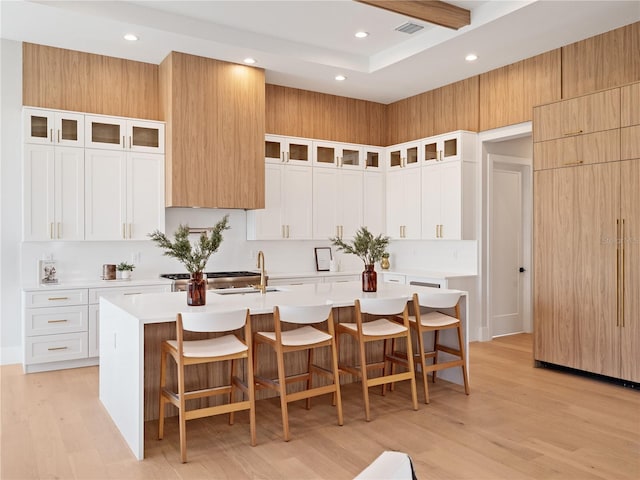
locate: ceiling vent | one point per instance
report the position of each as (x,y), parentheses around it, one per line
(409,28)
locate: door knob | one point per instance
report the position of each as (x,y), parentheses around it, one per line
(521,269)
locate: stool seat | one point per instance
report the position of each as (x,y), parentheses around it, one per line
(300,336)
(211,347)
(435,319)
(378,327)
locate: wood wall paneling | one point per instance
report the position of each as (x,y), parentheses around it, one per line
(630,143)
(604,61)
(630,105)
(70,80)
(216,118)
(542,76)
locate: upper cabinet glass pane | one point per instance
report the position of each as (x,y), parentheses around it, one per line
(395,159)
(412,155)
(373,159)
(350,157)
(298,152)
(146,137)
(431,151)
(325,155)
(451,147)
(39,127)
(272,149)
(105,133)
(69,130)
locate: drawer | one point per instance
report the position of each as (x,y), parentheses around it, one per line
(596,147)
(294,281)
(56,298)
(45,321)
(394,278)
(96,293)
(55,348)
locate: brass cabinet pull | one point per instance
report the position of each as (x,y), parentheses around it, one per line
(56,348)
(287,231)
(441,228)
(58,135)
(51,135)
(287,155)
(617,272)
(579,162)
(282,228)
(132,293)
(130,228)
(124,231)
(577,132)
(622,274)
(59,230)
(51,230)
(282,157)
(130,142)
(58,321)
(58,298)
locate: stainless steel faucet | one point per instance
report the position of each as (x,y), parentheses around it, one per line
(263,283)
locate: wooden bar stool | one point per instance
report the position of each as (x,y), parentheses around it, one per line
(379,329)
(437,321)
(304,337)
(227,347)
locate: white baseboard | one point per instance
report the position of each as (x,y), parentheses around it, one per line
(484,334)
(10,355)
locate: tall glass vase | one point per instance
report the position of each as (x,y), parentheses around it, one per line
(197,290)
(369,279)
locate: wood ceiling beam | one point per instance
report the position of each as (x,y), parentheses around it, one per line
(440,13)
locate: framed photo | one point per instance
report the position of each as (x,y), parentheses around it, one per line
(323,259)
(47,273)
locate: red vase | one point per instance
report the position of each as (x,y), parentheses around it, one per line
(197,290)
(369,279)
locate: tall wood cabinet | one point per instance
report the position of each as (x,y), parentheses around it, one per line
(586,226)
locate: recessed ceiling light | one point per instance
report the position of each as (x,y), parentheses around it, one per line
(362,34)
(131,37)
(472,57)
(250,60)
(340,78)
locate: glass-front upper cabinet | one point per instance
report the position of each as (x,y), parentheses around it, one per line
(341,155)
(449,147)
(278,149)
(50,127)
(373,158)
(113,133)
(406,155)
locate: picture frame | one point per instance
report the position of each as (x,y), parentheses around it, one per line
(47,272)
(323,258)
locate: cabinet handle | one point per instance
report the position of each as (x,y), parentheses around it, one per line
(617,272)
(124,144)
(568,164)
(568,134)
(59,230)
(58,135)
(58,298)
(124,230)
(130,228)
(282,228)
(57,321)
(338,231)
(51,230)
(287,231)
(622,275)
(287,155)
(282,157)
(441,228)
(51,135)
(132,293)
(56,348)
(341,231)
(130,142)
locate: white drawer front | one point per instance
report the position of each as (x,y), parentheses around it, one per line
(96,293)
(394,278)
(46,321)
(56,298)
(342,278)
(56,348)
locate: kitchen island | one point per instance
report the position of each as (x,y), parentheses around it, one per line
(132,329)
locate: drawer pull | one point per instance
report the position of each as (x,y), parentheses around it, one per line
(132,293)
(568,134)
(568,164)
(57,321)
(58,298)
(57,348)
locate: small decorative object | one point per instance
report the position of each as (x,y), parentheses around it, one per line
(369,249)
(125,270)
(384,263)
(193,258)
(47,272)
(323,259)
(108,271)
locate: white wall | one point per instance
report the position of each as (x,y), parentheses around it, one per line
(84,260)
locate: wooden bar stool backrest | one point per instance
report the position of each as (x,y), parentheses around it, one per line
(442,298)
(304,314)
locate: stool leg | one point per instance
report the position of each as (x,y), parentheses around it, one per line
(183,422)
(282,381)
(251,386)
(337,398)
(365,382)
(232,385)
(423,364)
(465,376)
(163,380)
(386,363)
(436,338)
(310,375)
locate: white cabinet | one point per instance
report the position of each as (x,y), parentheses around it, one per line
(374,201)
(337,202)
(124,195)
(405,155)
(448,147)
(295,281)
(114,133)
(53,189)
(341,155)
(403,204)
(448,201)
(56,128)
(294,151)
(373,158)
(288,198)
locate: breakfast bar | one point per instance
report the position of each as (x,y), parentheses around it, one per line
(133,327)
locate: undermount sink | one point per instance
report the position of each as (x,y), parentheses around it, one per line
(244,291)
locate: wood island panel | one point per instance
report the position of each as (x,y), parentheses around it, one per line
(603,61)
(63,79)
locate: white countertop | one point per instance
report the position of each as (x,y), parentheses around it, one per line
(96,283)
(162,307)
(379,271)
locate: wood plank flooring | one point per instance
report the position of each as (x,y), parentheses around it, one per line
(519,422)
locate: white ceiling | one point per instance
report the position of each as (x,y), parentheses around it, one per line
(304,44)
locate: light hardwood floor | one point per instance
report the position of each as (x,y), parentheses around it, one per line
(519,422)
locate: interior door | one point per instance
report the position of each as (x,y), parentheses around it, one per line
(506,252)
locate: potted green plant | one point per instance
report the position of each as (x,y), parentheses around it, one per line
(193,257)
(125,270)
(370,249)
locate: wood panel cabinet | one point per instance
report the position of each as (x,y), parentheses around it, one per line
(576,150)
(215,123)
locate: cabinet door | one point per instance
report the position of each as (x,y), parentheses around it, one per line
(38,126)
(575,211)
(408,155)
(326,193)
(395,204)
(373,158)
(297,199)
(373,205)
(577,150)
(431,202)
(350,157)
(325,154)
(350,199)
(145,195)
(145,136)
(105,195)
(451,200)
(630,105)
(630,307)
(69,129)
(298,151)
(105,132)
(267,223)
(94,331)
(69,193)
(38,190)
